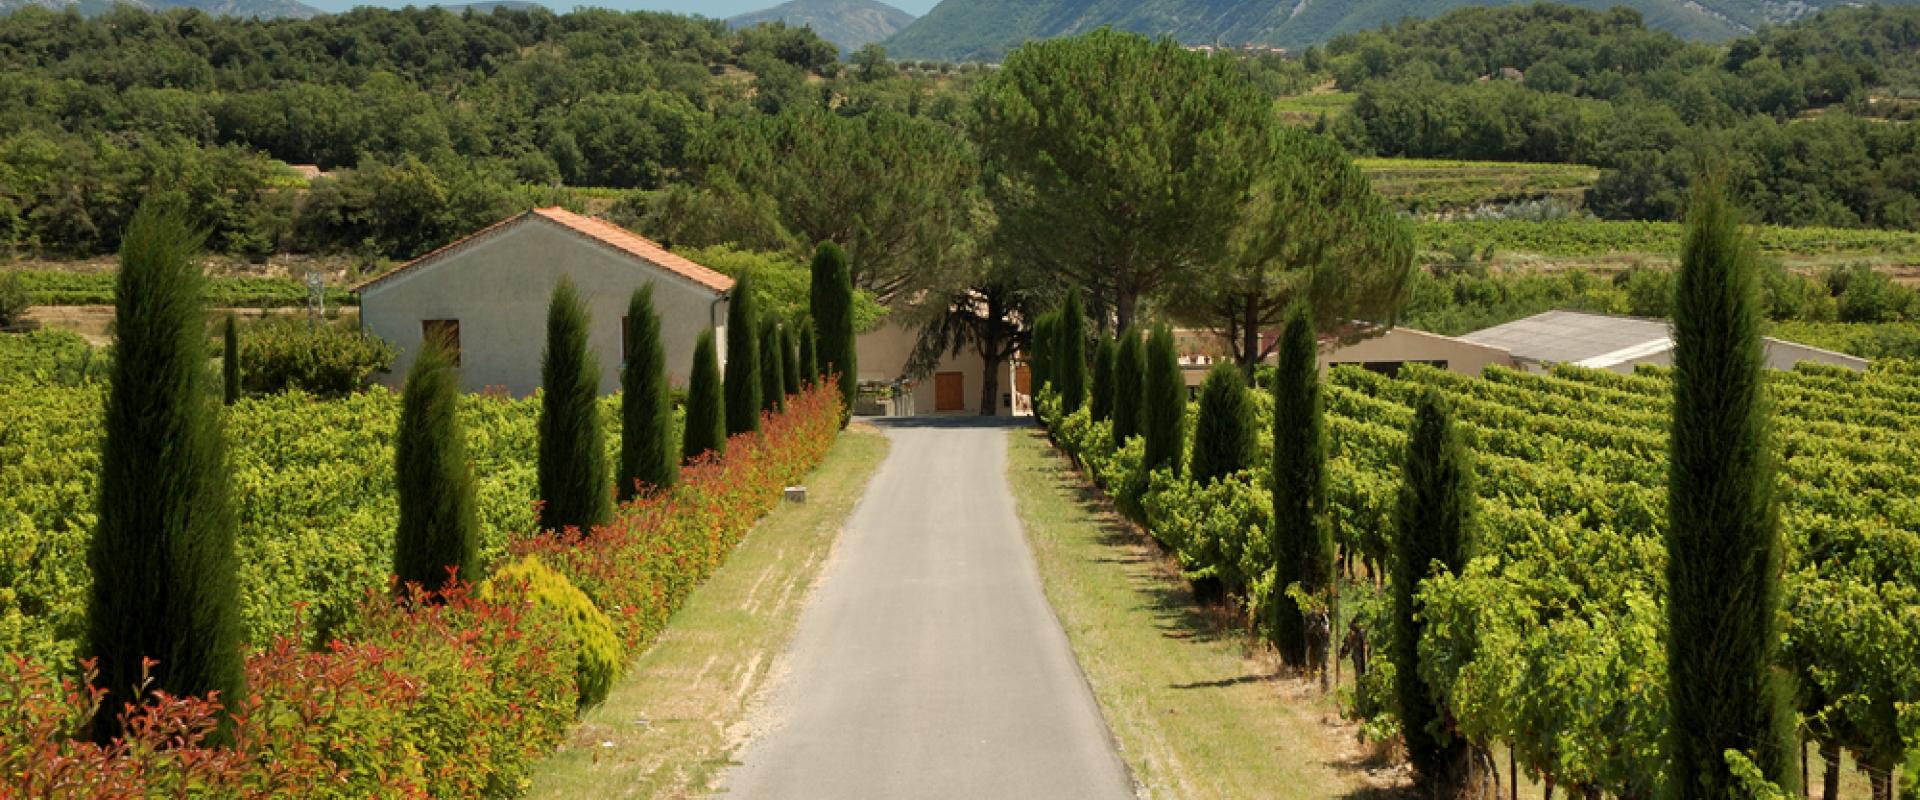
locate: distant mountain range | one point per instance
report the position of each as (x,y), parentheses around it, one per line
(851,24)
(236,8)
(987,29)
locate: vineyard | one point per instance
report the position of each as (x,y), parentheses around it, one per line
(1657,241)
(53,287)
(1424,186)
(1552,641)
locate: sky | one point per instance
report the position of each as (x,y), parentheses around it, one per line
(710,8)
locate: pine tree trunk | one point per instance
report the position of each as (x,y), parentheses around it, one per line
(1830,779)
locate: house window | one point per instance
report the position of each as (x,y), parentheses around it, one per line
(446,331)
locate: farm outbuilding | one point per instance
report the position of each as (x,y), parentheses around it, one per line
(488,293)
(1382,350)
(1603,341)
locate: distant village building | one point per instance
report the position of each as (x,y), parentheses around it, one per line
(953,387)
(488,294)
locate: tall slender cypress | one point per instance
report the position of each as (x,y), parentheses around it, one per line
(706,411)
(1433,530)
(1724,550)
(1045,341)
(1163,415)
(647,460)
(1070,355)
(773,395)
(575,491)
(809,357)
(743,359)
(830,303)
(1129,385)
(789,361)
(439,525)
(1100,398)
(230,361)
(1223,439)
(1302,535)
(164,572)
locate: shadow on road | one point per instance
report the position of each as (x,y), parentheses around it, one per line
(958,422)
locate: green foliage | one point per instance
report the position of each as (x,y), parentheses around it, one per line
(1100,403)
(1223,436)
(1724,548)
(706,430)
(1302,537)
(789,361)
(809,359)
(230,360)
(75,288)
(602,659)
(782,282)
(51,358)
(830,305)
(648,461)
(773,396)
(743,359)
(1068,369)
(14,300)
(285,354)
(1129,385)
(1897,340)
(575,491)
(1433,534)
(1163,412)
(1044,355)
(439,527)
(162,552)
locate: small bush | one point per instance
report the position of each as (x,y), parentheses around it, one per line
(283,354)
(13,299)
(601,660)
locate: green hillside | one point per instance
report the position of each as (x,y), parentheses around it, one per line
(850,24)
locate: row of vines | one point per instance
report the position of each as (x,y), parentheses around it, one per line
(1551,641)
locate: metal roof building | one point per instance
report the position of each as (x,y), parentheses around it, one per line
(1601,341)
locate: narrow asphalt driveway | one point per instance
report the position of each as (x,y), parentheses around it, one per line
(929,664)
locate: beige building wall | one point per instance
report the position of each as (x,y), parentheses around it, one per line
(883,355)
(1407,344)
(498,287)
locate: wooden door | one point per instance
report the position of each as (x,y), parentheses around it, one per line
(949,391)
(1023,379)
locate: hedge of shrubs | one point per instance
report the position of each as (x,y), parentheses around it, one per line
(455,694)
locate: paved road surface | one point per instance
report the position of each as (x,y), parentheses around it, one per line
(928,664)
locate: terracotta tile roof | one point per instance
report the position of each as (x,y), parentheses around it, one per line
(598,230)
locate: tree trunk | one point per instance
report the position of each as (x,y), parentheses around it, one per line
(1806,774)
(990,383)
(1125,302)
(1882,782)
(1549,792)
(1830,780)
(1249,355)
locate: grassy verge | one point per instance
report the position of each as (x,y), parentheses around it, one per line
(1198,713)
(663,732)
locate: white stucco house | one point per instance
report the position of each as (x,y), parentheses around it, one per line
(488,294)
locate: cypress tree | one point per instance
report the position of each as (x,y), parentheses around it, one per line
(1101,397)
(830,302)
(230,361)
(161,556)
(439,526)
(574,487)
(1724,550)
(1129,385)
(1045,339)
(706,411)
(773,396)
(809,360)
(1163,413)
(789,361)
(743,360)
(1223,439)
(1070,355)
(1302,536)
(647,461)
(1433,529)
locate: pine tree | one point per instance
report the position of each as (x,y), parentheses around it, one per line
(789,361)
(230,361)
(830,303)
(1163,413)
(1101,397)
(1724,550)
(1223,438)
(439,526)
(1129,386)
(1433,530)
(706,411)
(1070,355)
(574,486)
(647,461)
(162,558)
(773,395)
(1302,536)
(809,358)
(743,359)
